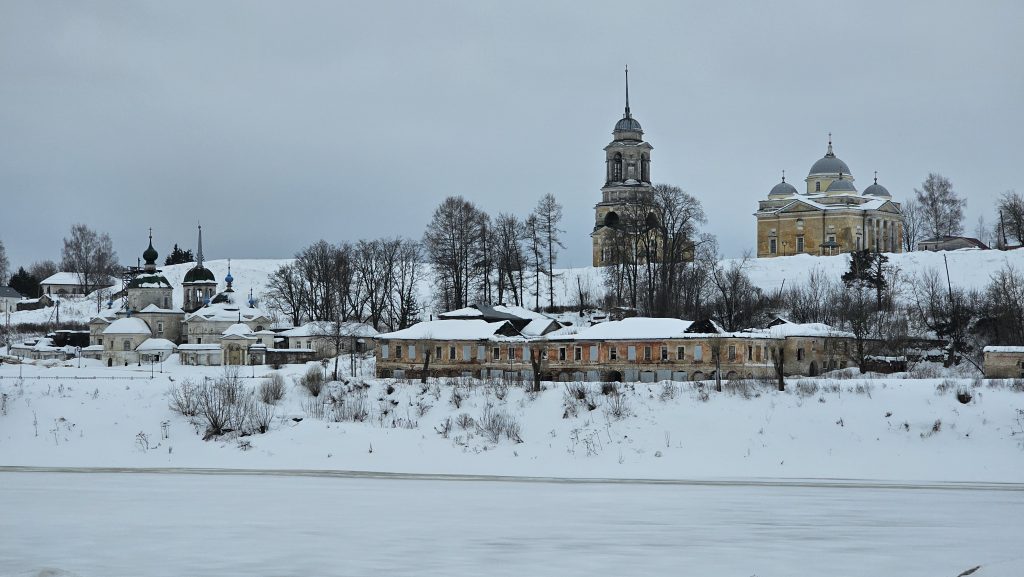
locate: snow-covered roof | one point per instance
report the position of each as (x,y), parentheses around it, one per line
(1002,349)
(321,328)
(238,330)
(128,326)
(536,327)
(152,308)
(71,278)
(633,328)
(199,347)
(156,345)
(9,293)
(784,328)
(455,330)
(93,348)
(227,311)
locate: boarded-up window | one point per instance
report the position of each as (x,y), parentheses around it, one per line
(466,350)
(631,353)
(698,353)
(412,352)
(384,351)
(593,353)
(481,353)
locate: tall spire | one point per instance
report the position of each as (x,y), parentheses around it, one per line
(199,248)
(830,153)
(627,92)
(783,175)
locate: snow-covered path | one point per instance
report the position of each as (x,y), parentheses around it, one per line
(181,524)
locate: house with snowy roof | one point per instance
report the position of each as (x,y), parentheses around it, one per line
(527,322)
(634,349)
(9,299)
(321,337)
(830,216)
(70,283)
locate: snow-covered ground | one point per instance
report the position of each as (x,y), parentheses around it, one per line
(88,525)
(883,429)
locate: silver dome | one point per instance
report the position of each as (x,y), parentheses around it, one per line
(841,185)
(829,165)
(783,189)
(877,190)
(628,124)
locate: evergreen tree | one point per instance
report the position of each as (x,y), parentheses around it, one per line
(178,256)
(867,269)
(25,283)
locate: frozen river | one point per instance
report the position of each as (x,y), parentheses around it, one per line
(183,525)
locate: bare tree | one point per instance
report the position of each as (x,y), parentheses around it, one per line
(5,264)
(451,241)
(1011,216)
(549,214)
(509,257)
(942,209)
(43,269)
(406,272)
(912,224)
(286,293)
(534,254)
(91,255)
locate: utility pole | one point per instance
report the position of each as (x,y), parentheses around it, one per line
(954,318)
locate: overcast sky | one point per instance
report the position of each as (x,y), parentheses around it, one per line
(280,123)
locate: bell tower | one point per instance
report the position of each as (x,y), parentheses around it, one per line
(627,181)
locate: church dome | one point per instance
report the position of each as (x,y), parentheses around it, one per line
(877,190)
(782,189)
(841,185)
(628,124)
(150,255)
(829,164)
(199,273)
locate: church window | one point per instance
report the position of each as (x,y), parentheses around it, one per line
(617,167)
(631,170)
(799,244)
(772,246)
(160,327)
(817,186)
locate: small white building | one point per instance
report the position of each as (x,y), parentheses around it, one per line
(69,283)
(9,299)
(320,336)
(122,337)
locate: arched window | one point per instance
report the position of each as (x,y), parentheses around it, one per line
(617,167)
(645,168)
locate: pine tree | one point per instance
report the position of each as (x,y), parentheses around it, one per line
(178,256)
